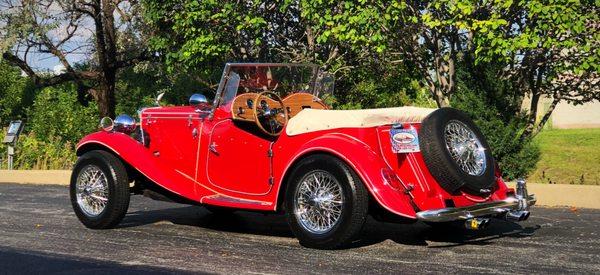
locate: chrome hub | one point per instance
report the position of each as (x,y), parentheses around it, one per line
(92,190)
(318,202)
(465,148)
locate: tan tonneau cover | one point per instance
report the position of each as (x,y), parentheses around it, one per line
(310,120)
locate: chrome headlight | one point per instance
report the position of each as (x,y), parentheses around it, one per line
(124,124)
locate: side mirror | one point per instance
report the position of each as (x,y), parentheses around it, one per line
(158,98)
(199,101)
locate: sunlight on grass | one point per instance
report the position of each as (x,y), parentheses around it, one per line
(569,156)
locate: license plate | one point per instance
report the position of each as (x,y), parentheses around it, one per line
(404,140)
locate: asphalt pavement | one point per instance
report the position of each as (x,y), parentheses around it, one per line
(40,234)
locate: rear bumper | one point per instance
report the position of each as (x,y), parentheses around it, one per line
(514,208)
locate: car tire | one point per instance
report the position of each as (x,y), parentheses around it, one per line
(346,216)
(442,166)
(112,177)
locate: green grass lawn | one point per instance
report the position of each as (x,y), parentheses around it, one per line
(569,156)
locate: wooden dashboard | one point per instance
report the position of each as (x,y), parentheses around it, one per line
(241,108)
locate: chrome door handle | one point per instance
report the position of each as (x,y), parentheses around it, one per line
(213,148)
(195,133)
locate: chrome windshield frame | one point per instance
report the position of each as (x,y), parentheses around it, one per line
(227,70)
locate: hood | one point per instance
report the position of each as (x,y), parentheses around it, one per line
(310,120)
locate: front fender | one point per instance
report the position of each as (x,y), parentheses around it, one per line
(365,162)
(139,158)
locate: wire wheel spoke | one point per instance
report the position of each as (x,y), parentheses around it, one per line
(318,202)
(465,148)
(92,190)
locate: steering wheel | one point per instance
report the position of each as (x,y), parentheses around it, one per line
(268,116)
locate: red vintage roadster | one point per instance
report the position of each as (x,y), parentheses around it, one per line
(268,142)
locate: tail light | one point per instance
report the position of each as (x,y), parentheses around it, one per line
(390,178)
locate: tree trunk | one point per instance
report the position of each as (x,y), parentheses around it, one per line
(546,116)
(533,108)
(105,96)
(442,100)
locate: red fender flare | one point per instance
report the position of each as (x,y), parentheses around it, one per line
(140,158)
(365,162)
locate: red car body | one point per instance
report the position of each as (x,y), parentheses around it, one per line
(215,156)
(185,164)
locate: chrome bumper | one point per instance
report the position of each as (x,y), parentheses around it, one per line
(512,208)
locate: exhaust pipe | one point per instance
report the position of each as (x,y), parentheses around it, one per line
(476,223)
(516,216)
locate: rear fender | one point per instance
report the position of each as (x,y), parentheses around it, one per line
(139,158)
(363,160)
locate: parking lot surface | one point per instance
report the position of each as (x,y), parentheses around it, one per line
(40,233)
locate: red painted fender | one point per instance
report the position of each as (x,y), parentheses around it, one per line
(139,158)
(359,156)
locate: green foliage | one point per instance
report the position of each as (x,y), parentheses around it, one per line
(371,87)
(56,116)
(196,32)
(359,24)
(552,46)
(15,93)
(138,87)
(55,123)
(35,153)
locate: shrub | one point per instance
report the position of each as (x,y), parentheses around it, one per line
(16,92)
(377,86)
(56,116)
(501,121)
(55,123)
(33,153)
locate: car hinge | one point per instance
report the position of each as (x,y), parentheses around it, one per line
(409,188)
(270,153)
(271,180)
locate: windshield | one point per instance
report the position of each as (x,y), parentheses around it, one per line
(280,78)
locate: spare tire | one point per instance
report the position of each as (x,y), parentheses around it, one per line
(456,153)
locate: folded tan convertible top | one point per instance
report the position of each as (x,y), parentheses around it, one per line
(310,120)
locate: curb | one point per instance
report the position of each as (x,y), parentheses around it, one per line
(584,196)
(56,177)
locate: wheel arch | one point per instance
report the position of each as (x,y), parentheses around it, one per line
(287,174)
(137,158)
(132,173)
(364,162)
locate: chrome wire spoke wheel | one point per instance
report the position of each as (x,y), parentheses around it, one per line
(92,190)
(465,148)
(318,202)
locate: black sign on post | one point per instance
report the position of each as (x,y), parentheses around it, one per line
(14,130)
(12,135)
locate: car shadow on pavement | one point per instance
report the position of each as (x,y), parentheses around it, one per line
(21,261)
(421,234)
(238,222)
(374,232)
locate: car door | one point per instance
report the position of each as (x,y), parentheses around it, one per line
(175,139)
(238,161)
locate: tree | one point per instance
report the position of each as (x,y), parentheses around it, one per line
(430,36)
(198,34)
(192,35)
(16,93)
(551,48)
(105,32)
